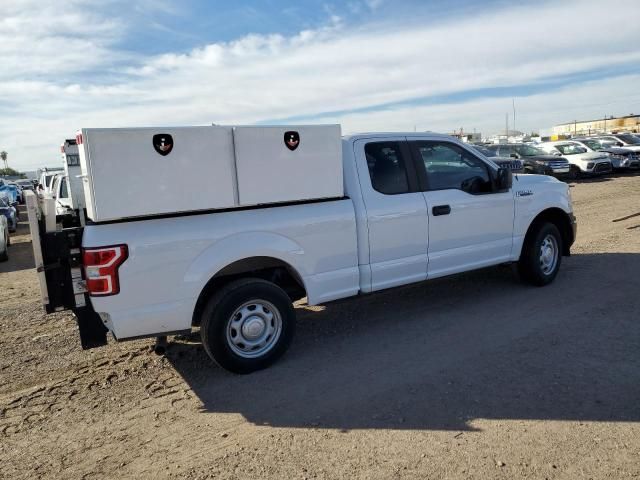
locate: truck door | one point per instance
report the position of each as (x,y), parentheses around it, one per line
(63,195)
(470,224)
(397,217)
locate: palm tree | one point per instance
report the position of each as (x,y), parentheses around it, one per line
(3,156)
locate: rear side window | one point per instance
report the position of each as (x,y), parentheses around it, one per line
(73,160)
(64,192)
(450,167)
(387,167)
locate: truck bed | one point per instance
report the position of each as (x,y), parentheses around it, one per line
(172,259)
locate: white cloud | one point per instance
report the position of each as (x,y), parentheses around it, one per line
(335,68)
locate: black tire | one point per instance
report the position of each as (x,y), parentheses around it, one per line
(4,256)
(216,327)
(574,173)
(531,266)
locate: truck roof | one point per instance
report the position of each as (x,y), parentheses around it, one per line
(357,136)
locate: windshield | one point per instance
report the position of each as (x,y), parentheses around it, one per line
(529,151)
(26,183)
(571,148)
(595,144)
(627,138)
(47,180)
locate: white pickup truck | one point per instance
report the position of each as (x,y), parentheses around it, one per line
(222,228)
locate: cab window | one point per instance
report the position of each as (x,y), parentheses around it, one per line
(448,166)
(387,167)
(64,191)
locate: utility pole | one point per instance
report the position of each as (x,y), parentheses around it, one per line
(513,102)
(506,126)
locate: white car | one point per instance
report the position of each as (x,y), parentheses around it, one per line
(4,239)
(582,160)
(621,158)
(624,140)
(62,194)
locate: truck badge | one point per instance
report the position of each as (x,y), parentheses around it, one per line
(163,143)
(524,193)
(291,140)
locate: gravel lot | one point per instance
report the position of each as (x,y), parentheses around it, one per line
(475,376)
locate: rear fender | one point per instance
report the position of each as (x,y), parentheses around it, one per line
(238,247)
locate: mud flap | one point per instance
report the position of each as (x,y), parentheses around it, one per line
(93,333)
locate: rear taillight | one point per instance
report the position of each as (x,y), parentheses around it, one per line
(101,269)
(79,139)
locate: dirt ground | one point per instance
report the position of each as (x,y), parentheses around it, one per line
(475,376)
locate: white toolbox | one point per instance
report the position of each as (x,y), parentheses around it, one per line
(138,172)
(270,172)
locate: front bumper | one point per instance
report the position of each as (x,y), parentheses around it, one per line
(598,168)
(632,163)
(554,171)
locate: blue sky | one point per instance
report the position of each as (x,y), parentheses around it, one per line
(367,64)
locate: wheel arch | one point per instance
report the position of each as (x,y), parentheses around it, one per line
(561,219)
(269,268)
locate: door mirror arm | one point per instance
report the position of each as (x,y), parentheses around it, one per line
(504,179)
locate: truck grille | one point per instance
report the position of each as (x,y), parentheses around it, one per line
(555,164)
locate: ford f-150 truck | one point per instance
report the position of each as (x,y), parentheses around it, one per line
(222,228)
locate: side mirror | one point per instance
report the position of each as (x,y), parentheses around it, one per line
(514,155)
(504,179)
(557,153)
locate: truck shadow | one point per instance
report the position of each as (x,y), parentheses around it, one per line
(441,354)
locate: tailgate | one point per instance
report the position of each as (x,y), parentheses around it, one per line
(35,216)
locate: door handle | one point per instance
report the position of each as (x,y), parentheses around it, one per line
(441,210)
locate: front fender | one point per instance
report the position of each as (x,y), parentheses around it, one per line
(531,199)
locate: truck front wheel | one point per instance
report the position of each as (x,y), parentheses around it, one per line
(541,254)
(247,325)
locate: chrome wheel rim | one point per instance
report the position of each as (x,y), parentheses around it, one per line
(548,254)
(254,328)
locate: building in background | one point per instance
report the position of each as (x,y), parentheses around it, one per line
(508,136)
(467,137)
(630,123)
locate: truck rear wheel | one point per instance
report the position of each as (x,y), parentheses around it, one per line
(247,325)
(541,255)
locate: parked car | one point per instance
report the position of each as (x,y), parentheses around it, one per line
(4,239)
(621,158)
(513,164)
(25,184)
(625,140)
(11,191)
(9,212)
(333,219)
(46,179)
(535,160)
(62,194)
(582,160)
(20,196)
